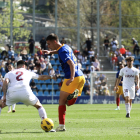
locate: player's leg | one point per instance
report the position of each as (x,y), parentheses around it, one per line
(127,106)
(132,96)
(130,105)
(62,110)
(9,109)
(41,110)
(80,88)
(64,93)
(127,102)
(118,101)
(13,108)
(118,93)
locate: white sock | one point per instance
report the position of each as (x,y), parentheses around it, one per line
(13,106)
(42,113)
(127,106)
(118,107)
(130,107)
(9,108)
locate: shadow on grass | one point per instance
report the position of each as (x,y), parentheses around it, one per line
(18,132)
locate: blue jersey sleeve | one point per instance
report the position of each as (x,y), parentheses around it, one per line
(64,56)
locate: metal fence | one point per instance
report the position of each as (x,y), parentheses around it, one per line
(76,20)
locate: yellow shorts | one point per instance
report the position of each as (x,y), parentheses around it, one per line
(120,90)
(77,83)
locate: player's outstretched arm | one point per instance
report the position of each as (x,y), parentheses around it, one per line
(117,82)
(50,52)
(5,86)
(46,77)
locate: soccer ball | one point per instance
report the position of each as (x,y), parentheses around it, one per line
(47,124)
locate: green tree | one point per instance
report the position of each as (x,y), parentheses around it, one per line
(20,33)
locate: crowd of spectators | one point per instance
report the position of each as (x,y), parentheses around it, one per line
(116,54)
(40,63)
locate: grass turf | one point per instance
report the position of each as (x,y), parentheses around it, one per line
(83,122)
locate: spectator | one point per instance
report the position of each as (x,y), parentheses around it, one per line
(7,64)
(33,85)
(79,64)
(114,44)
(96,64)
(43,66)
(120,58)
(85,52)
(135,46)
(114,59)
(63,41)
(88,43)
(24,53)
(47,60)
(91,53)
(128,53)
(106,43)
(31,45)
(36,58)
(86,87)
(12,58)
(106,91)
(43,44)
(102,77)
(2,69)
(97,83)
(31,65)
(11,52)
(92,69)
(123,51)
(57,72)
(79,56)
(87,71)
(18,57)
(4,53)
(110,55)
(39,52)
(84,59)
(34,70)
(117,52)
(52,71)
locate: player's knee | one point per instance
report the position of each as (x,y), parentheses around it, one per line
(127,99)
(38,105)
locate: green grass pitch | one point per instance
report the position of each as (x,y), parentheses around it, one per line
(83,122)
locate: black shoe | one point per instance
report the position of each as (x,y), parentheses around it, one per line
(73,95)
(127,115)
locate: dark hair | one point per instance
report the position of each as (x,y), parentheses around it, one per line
(130,58)
(52,36)
(20,62)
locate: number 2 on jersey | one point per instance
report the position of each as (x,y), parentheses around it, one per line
(18,76)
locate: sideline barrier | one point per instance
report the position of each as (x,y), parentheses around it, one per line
(86,100)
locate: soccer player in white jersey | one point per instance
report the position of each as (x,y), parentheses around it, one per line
(10,68)
(19,89)
(129,74)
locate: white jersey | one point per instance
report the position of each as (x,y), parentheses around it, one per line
(129,77)
(20,79)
